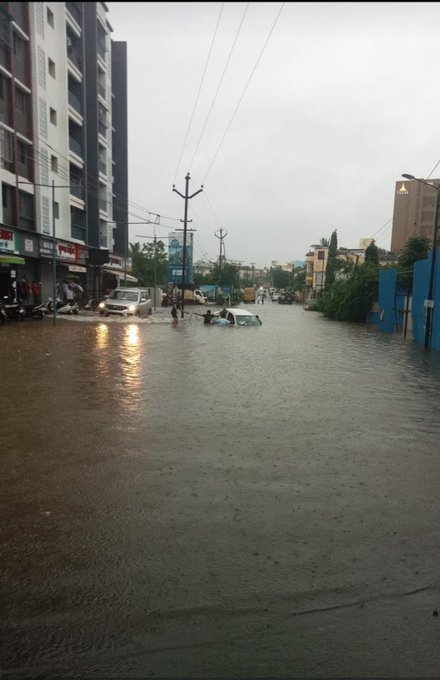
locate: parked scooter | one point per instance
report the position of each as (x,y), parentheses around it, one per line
(70,307)
(45,307)
(33,312)
(12,310)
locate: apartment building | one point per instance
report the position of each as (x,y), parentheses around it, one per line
(414,211)
(63,144)
(316,264)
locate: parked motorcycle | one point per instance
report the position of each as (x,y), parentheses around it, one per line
(33,312)
(12,310)
(70,307)
(63,307)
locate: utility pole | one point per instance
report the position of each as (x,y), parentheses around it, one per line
(222,256)
(186,198)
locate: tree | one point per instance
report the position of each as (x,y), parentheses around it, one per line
(228,275)
(416,248)
(372,253)
(351,299)
(332,262)
(150,263)
(280,278)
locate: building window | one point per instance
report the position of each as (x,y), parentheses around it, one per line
(51,68)
(26,207)
(320,254)
(22,153)
(56,211)
(53,116)
(54,163)
(50,18)
(20,101)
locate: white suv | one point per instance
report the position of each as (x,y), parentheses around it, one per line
(126,302)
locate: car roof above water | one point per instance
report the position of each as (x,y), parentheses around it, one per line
(238,310)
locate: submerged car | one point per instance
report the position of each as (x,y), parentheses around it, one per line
(126,302)
(235,316)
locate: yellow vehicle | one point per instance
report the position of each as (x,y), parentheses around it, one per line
(249,295)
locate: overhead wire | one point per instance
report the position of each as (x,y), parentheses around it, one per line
(244,91)
(198,93)
(219,84)
(92,185)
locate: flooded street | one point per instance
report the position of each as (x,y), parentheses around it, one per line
(197,501)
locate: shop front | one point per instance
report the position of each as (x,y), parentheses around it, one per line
(116,273)
(18,260)
(70,261)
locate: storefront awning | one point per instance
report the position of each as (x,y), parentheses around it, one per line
(128,277)
(12,259)
(119,273)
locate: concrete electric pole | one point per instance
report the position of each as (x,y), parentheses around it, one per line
(222,256)
(186,197)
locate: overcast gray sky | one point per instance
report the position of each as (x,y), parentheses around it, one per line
(293,132)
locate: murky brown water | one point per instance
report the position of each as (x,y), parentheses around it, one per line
(197,501)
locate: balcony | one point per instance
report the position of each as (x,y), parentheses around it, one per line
(75,12)
(74,56)
(77,231)
(5,55)
(22,123)
(75,146)
(25,222)
(75,103)
(20,70)
(77,191)
(18,12)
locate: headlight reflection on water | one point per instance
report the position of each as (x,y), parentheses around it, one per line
(132,335)
(130,359)
(102,336)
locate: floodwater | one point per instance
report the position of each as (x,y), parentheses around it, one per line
(196,501)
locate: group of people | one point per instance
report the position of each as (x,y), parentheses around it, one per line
(223,318)
(25,292)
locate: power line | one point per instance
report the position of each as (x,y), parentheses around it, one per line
(244,90)
(220,83)
(91,181)
(198,93)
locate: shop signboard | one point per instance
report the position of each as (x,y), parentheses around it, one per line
(71,253)
(27,245)
(66,251)
(7,240)
(46,247)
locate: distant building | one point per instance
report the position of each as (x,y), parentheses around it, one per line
(414,212)
(316,264)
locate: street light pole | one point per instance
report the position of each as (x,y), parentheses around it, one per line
(430,301)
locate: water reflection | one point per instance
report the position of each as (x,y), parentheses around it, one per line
(130,354)
(102,336)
